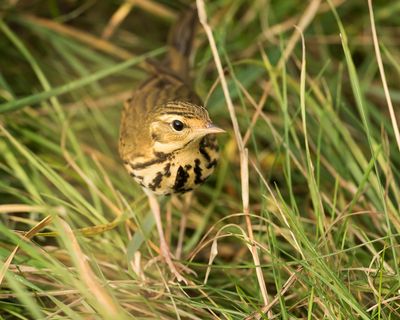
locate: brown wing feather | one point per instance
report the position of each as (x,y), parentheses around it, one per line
(170,82)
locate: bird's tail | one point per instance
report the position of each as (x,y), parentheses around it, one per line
(180,43)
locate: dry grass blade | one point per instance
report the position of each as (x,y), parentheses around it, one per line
(49,293)
(296,244)
(116,19)
(81,36)
(383,76)
(104,300)
(243,152)
(257,106)
(289,22)
(285,287)
(88,231)
(12,208)
(304,21)
(154,8)
(218,64)
(42,224)
(117,211)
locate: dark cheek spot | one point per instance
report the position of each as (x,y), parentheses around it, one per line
(155,136)
(161,155)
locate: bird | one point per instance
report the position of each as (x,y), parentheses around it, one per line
(167,140)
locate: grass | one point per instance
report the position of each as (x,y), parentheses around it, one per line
(301,219)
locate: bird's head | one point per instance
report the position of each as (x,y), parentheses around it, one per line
(176,125)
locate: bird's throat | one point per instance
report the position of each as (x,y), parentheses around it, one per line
(178,171)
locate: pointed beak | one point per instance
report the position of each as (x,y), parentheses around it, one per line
(211,128)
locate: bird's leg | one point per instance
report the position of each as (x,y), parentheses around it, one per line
(165,252)
(187,199)
(182,227)
(168,223)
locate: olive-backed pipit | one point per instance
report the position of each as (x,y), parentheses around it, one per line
(167,140)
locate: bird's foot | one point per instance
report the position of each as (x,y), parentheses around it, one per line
(175,266)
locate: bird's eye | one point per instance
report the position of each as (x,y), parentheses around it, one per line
(177,125)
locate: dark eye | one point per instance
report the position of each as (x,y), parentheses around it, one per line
(177,125)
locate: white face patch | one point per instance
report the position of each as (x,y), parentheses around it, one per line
(172,132)
(167,147)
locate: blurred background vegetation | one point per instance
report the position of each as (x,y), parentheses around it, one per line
(77,239)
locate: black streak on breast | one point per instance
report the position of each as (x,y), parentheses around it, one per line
(211,164)
(197,171)
(181,178)
(159,157)
(167,170)
(136,176)
(156,181)
(203,151)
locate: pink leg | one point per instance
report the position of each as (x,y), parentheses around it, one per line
(182,228)
(187,199)
(165,252)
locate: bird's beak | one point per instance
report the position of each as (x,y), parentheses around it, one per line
(211,128)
